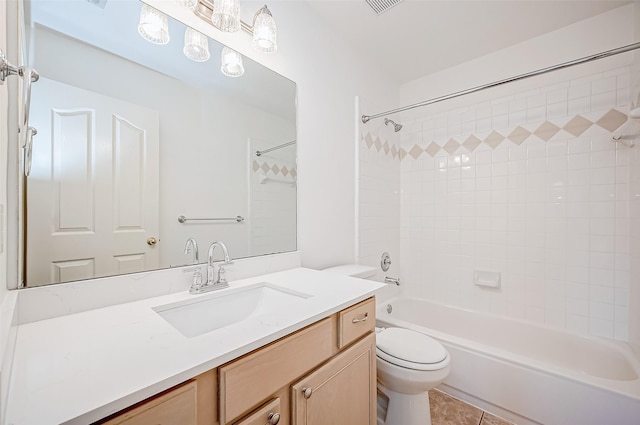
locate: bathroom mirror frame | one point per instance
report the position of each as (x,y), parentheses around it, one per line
(16,181)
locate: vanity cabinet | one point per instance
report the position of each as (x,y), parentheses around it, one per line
(320,375)
(324,374)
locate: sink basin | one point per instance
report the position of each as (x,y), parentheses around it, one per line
(228,306)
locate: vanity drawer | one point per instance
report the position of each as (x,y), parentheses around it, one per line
(176,406)
(356,321)
(248,381)
(267,414)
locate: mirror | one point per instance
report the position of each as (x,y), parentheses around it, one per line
(133,135)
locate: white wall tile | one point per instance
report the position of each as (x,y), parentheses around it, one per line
(553,216)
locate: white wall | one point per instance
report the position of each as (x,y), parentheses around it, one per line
(329,76)
(549,213)
(634,210)
(379,196)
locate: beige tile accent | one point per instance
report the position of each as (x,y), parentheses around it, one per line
(394,151)
(451,146)
(494,139)
(489,419)
(471,143)
(612,120)
(416,151)
(294,172)
(378,144)
(368,140)
(402,154)
(433,149)
(546,131)
(265,168)
(255,166)
(577,126)
(275,169)
(386,147)
(446,410)
(284,171)
(519,135)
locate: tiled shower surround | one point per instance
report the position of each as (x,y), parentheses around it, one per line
(530,186)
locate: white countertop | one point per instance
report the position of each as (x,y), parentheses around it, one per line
(78,368)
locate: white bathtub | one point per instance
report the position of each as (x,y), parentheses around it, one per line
(527,373)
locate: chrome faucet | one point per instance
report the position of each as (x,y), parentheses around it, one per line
(217,277)
(215,272)
(192,244)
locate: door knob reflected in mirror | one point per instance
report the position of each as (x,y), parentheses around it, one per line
(152,241)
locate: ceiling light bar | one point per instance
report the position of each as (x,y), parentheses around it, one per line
(263,29)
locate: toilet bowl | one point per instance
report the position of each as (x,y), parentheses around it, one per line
(409,364)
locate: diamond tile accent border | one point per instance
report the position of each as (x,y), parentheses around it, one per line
(611,120)
(416,151)
(494,139)
(577,126)
(274,169)
(546,131)
(433,149)
(451,146)
(519,135)
(471,143)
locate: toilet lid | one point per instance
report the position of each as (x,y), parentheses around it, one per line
(407,348)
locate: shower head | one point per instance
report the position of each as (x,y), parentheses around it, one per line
(396,127)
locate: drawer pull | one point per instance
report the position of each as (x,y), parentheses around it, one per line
(306,392)
(273,418)
(364,319)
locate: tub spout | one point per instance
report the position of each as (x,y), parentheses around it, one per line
(392,280)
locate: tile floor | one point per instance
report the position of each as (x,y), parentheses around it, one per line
(446,410)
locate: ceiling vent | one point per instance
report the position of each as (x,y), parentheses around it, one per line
(380,6)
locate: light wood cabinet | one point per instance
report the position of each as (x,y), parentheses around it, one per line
(320,375)
(191,403)
(250,380)
(342,392)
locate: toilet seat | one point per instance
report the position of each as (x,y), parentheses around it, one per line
(410,349)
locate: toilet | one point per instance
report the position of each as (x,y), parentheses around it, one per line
(409,364)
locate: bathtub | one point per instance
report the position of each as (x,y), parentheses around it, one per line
(524,372)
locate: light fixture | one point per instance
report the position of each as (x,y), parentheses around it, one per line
(265,33)
(196,45)
(231,63)
(226,15)
(153,25)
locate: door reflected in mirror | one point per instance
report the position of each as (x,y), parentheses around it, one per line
(133,135)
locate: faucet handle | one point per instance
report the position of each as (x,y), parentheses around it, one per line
(222,273)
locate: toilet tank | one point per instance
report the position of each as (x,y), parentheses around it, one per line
(353,270)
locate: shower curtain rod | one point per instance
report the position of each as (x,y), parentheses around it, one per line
(623,49)
(284,145)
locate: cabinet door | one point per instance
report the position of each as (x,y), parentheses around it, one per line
(342,392)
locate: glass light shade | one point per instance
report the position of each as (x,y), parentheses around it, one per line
(226,15)
(196,45)
(188,4)
(153,25)
(231,63)
(265,33)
